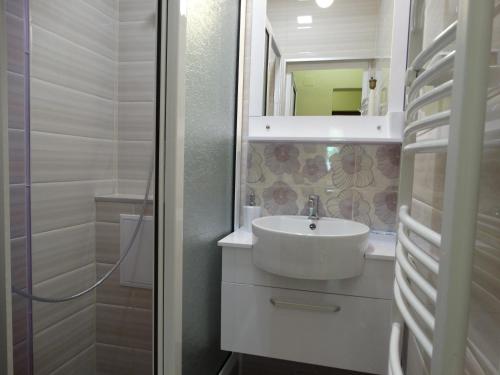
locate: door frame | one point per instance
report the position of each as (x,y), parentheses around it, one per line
(6,360)
(170,184)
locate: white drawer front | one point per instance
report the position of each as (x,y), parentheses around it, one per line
(324,329)
(375,282)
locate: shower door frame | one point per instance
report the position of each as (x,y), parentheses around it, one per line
(169,194)
(6,365)
(169,197)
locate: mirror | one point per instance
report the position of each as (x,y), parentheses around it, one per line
(323,57)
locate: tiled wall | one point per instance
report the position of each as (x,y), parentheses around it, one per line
(136,92)
(92,87)
(92,120)
(124,314)
(73,76)
(353,181)
(14,17)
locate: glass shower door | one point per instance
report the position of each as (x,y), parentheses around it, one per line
(81,79)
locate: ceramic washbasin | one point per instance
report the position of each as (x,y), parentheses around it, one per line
(295,246)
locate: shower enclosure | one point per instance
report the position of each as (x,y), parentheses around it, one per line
(85,104)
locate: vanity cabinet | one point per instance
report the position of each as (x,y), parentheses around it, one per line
(337,323)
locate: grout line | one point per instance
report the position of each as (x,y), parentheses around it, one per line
(71,182)
(33,77)
(61,321)
(83,351)
(91,263)
(87,49)
(99,10)
(123,347)
(20,75)
(64,228)
(122,307)
(44,132)
(19,18)
(68,88)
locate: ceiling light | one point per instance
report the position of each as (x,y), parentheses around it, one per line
(324,3)
(304,27)
(301,20)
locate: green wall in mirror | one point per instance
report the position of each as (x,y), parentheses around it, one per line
(319,92)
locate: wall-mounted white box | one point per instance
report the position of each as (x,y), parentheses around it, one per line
(137,268)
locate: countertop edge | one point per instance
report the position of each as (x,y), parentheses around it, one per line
(382,246)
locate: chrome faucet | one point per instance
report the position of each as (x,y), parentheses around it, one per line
(313,207)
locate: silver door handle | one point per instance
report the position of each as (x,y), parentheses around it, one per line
(302,306)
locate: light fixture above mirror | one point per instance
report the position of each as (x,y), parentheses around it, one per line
(303,20)
(324,3)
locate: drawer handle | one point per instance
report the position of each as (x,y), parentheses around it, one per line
(302,306)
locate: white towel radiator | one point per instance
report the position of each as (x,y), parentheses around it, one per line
(441,331)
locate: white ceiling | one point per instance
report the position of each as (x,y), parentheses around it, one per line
(347,29)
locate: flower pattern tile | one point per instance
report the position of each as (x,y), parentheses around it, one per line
(282,158)
(353,181)
(386,203)
(280,199)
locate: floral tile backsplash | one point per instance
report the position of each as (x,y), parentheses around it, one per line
(353,181)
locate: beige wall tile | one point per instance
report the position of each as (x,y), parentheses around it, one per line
(55,347)
(62,250)
(134,187)
(131,10)
(124,326)
(137,40)
(108,7)
(429,176)
(57,158)
(117,360)
(57,109)
(136,121)
(110,211)
(489,193)
(107,242)
(17,211)
(21,351)
(59,61)
(19,318)
(84,25)
(134,158)
(112,293)
(136,81)
(427,215)
(59,205)
(14,7)
(16,156)
(83,363)
(18,261)
(15,43)
(48,314)
(15,87)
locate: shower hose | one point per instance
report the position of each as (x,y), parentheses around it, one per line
(101,280)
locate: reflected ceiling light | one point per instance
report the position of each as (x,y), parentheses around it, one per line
(324,3)
(304,27)
(302,20)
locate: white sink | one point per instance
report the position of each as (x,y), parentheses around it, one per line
(291,246)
